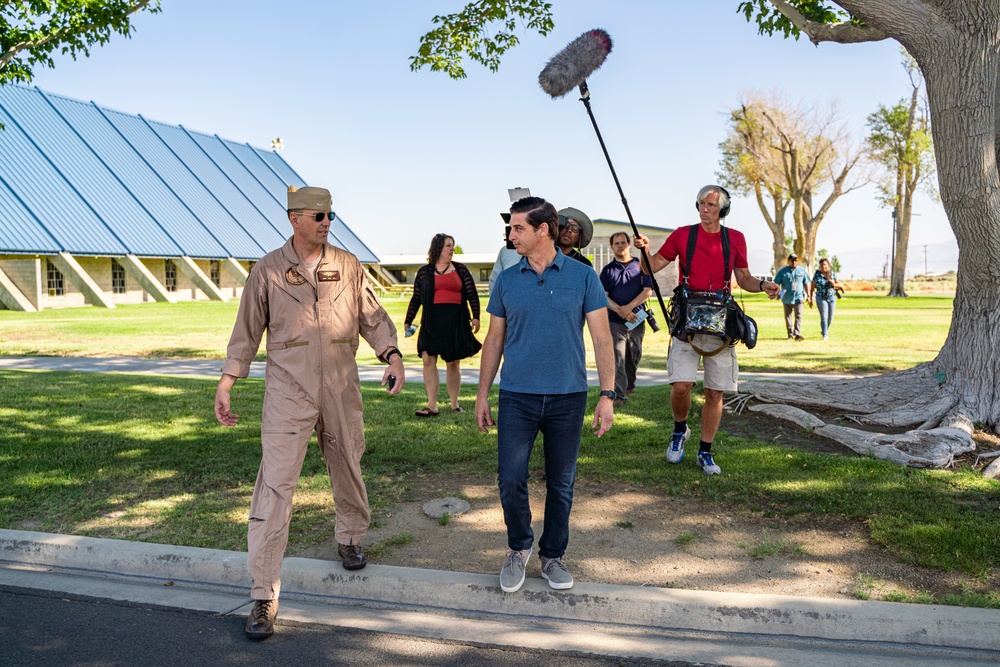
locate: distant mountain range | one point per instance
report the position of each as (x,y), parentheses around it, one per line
(869,263)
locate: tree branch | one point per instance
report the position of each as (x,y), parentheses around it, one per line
(841,33)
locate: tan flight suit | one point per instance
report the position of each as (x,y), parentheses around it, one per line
(311,384)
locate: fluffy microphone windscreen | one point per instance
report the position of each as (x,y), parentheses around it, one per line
(571,66)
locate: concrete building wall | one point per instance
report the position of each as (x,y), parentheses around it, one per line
(30,276)
(25,273)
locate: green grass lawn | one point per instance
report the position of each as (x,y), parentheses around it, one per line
(870,333)
(142,458)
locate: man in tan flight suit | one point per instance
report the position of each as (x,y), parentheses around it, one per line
(314,300)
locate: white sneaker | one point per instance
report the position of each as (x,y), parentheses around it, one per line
(675,450)
(707,464)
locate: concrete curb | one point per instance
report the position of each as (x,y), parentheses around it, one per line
(456,593)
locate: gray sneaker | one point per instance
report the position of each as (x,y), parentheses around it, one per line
(512,574)
(675,450)
(557,574)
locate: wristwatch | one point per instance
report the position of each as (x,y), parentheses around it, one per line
(388,355)
(610,394)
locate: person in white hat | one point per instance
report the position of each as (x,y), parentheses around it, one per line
(314,301)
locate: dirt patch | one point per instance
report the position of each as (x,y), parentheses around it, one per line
(642,537)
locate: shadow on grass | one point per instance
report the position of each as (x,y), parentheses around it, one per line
(143,458)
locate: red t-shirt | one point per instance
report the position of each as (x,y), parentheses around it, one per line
(707,270)
(448,288)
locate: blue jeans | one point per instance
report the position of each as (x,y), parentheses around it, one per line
(519,419)
(826,308)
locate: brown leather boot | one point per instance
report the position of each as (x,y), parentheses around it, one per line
(260,623)
(352,556)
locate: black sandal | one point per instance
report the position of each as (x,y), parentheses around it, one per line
(426,412)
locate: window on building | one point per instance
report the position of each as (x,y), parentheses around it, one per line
(484,275)
(170,275)
(54,279)
(214,269)
(117,277)
(399,274)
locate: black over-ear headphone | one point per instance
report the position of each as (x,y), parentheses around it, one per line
(724,211)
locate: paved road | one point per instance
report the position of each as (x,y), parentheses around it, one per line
(209,368)
(40,628)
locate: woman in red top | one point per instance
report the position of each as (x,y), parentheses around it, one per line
(447,292)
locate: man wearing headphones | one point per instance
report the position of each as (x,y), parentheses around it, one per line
(707,275)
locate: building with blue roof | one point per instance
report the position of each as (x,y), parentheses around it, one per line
(102,207)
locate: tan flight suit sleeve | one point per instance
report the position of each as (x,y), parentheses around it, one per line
(251,320)
(375,325)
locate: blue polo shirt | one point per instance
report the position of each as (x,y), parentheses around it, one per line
(543,351)
(793,282)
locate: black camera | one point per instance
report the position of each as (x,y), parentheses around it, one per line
(651,318)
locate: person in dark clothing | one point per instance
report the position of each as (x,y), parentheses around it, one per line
(447,292)
(575,231)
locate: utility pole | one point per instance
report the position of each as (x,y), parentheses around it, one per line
(925,260)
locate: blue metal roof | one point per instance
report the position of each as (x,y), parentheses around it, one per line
(88,180)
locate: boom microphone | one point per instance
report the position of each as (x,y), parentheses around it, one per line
(571,66)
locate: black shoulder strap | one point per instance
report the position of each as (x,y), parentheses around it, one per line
(725,254)
(693,240)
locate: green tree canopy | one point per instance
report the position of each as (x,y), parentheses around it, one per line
(31,31)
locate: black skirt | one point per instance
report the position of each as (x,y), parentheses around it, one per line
(445,332)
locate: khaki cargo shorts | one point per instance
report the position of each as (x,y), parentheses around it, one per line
(721,370)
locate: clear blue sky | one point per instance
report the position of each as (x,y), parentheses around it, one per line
(408,155)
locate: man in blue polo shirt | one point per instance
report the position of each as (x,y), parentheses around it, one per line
(537,311)
(795,283)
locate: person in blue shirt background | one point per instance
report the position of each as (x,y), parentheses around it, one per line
(796,289)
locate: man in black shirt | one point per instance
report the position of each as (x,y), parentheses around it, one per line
(575,231)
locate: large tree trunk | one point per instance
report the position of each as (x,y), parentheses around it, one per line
(957,46)
(961,73)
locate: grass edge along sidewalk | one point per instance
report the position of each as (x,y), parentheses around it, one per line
(141,458)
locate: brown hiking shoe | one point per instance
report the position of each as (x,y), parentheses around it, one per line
(352,556)
(260,623)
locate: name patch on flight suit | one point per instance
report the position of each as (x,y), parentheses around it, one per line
(328,276)
(294,278)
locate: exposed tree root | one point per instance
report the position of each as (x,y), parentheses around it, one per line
(911,398)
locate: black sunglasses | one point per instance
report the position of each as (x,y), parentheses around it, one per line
(318,217)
